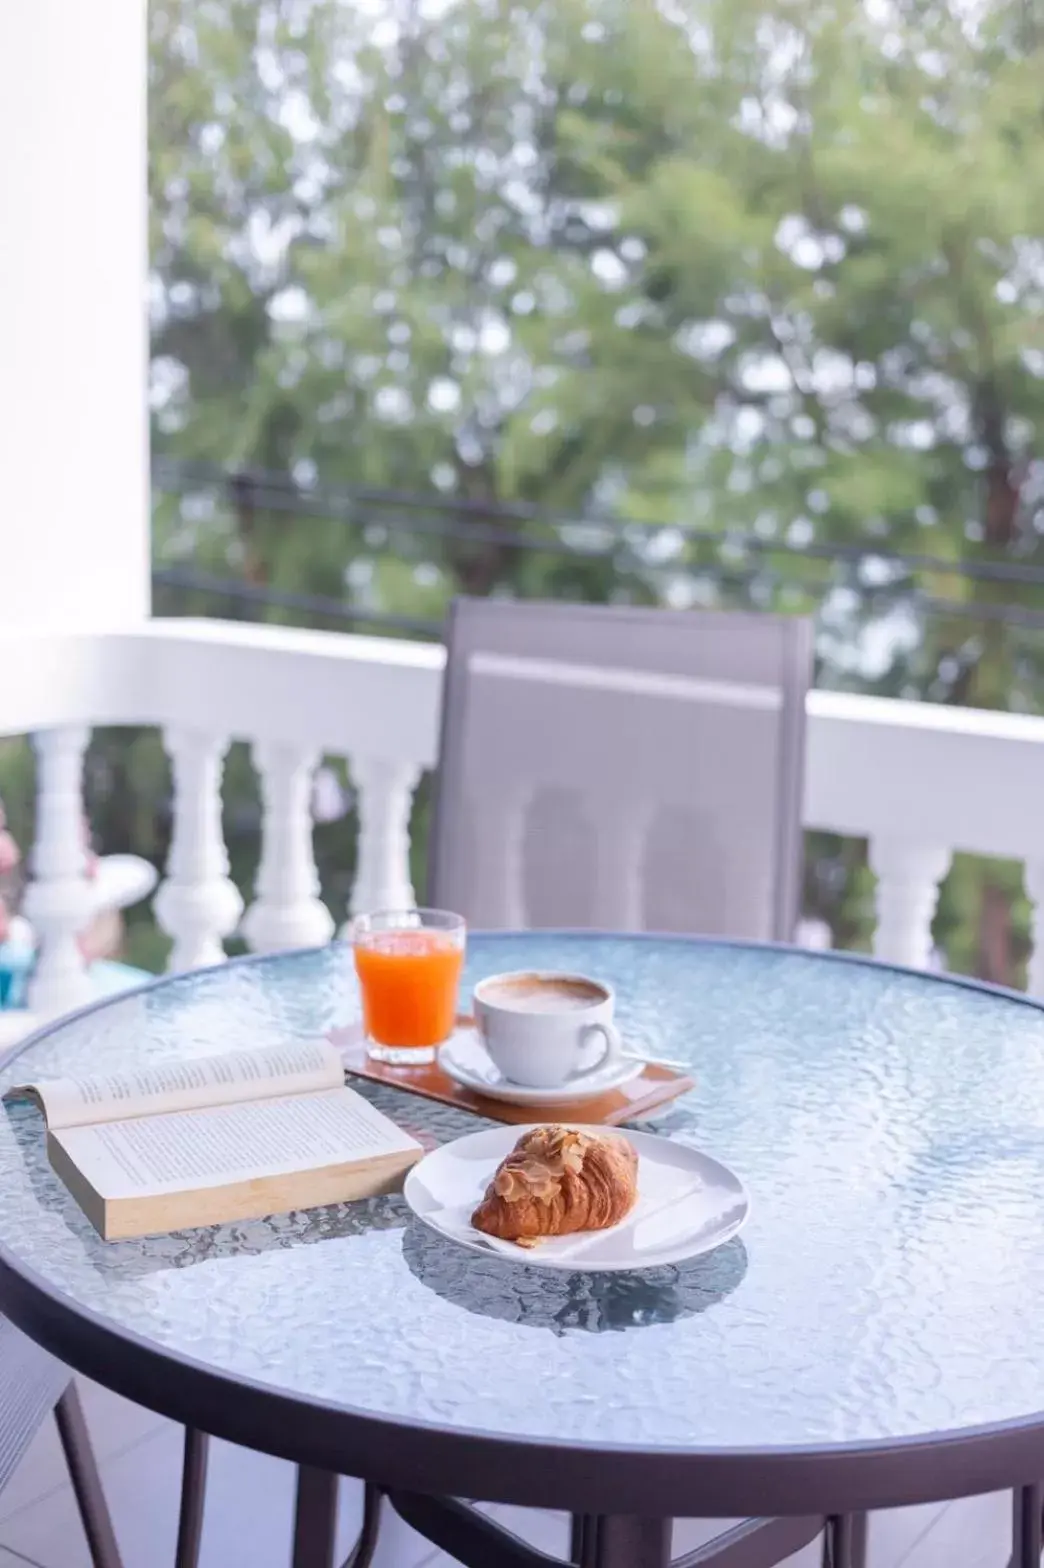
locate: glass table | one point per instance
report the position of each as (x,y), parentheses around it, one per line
(873,1339)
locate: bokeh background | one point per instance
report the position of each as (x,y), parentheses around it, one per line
(693,302)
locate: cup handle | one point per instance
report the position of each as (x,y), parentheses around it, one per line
(613,1046)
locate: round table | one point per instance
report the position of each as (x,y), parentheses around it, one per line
(873,1339)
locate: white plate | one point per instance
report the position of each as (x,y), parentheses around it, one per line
(688,1204)
(467,1061)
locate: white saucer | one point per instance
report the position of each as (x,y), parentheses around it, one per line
(465,1059)
(688,1204)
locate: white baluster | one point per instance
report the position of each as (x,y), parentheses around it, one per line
(58,899)
(1034,879)
(288,911)
(385,799)
(197,904)
(908,877)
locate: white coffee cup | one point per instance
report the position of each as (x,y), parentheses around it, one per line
(544,1029)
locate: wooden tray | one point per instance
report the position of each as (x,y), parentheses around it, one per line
(656,1085)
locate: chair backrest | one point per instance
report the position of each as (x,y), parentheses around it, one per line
(621,768)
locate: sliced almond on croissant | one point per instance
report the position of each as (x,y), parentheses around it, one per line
(557,1181)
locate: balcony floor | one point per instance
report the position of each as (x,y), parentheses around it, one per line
(250,1504)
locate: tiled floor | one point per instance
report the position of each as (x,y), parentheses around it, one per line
(250,1507)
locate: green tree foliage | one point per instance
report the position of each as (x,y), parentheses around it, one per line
(763,278)
(745,263)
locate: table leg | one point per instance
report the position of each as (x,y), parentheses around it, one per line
(193,1494)
(845,1541)
(315,1519)
(626,1541)
(1027,1536)
(581,1539)
(361,1554)
(86,1482)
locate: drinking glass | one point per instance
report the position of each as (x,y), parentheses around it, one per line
(408,962)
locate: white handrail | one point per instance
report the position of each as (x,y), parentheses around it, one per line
(969,778)
(918,780)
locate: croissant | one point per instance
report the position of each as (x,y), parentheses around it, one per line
(557,1181)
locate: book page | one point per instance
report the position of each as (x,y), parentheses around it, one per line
(300,1067)
(151,1155)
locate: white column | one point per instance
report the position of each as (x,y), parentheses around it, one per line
(385,799)
(1034,879)
(73,270)
(198,904)
(287,911)
(58,898)
(908,876)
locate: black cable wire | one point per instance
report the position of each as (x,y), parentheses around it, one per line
(335,609)
(284,599)
(280,492)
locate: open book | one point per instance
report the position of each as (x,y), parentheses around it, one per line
(224,1138)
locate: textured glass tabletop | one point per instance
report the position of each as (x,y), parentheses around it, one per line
(890,1129)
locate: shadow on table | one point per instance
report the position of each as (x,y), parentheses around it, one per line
(490,1287)
(493,1288)
(595,1303)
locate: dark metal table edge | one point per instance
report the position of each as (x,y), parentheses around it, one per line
(420,1457)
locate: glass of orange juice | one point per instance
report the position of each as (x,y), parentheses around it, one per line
(408,962)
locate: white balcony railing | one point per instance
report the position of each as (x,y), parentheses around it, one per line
(917,781)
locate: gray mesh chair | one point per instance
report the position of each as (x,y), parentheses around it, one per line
(621,768)
(32,1385)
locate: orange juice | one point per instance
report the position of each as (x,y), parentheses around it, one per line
(409,981)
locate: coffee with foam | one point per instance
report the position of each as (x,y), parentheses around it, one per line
(543,993)
(544,1029)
